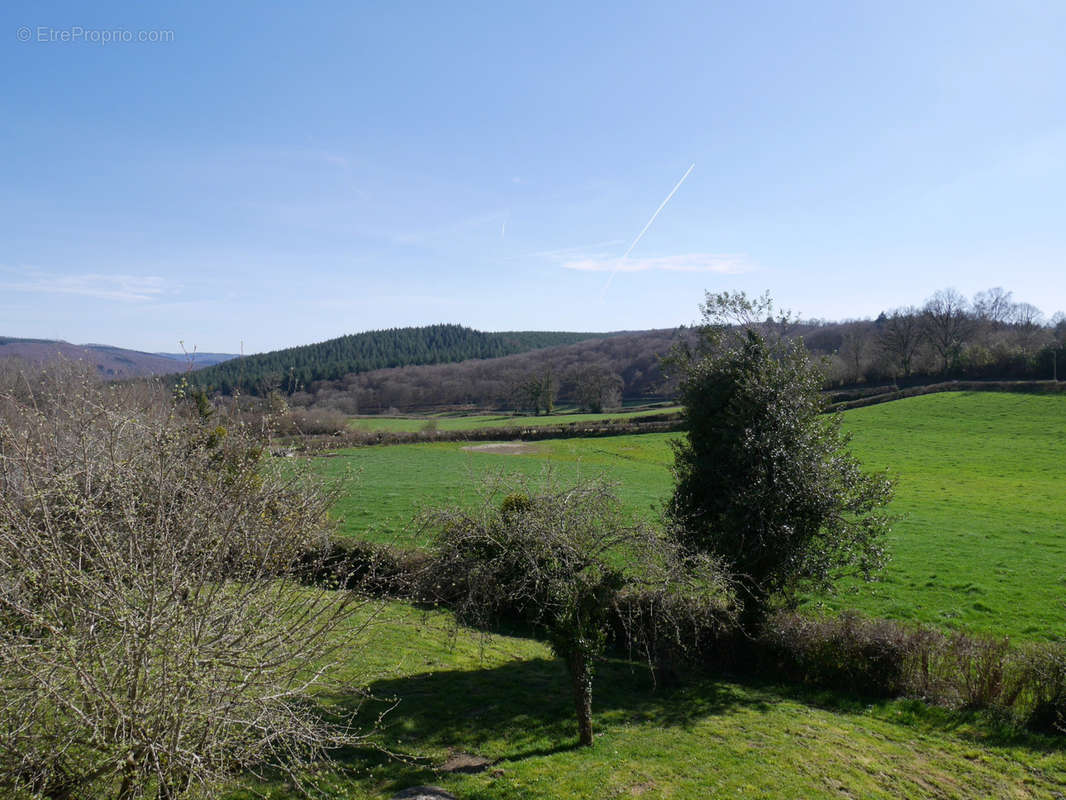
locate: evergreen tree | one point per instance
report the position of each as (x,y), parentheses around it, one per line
(764,479)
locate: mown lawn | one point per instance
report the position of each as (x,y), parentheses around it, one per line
(982,493)
(507,700)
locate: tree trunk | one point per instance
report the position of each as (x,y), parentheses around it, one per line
(581,680)
(129,769)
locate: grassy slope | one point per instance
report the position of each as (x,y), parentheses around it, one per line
(983,542)
(506,699)
(981,545)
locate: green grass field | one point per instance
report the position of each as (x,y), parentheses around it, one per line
(476,421)
(507,700)
(980,546)
(390,485)
(982,540)
(982,485)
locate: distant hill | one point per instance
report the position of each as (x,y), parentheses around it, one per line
(110,362)
(594,373)
(297,368)
(199,360)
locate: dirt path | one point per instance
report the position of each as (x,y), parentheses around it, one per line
(502,448)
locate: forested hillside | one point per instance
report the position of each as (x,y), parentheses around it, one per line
(594,374)
(296,368)
(991,337)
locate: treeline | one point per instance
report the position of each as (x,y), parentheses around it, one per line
(990,337)
(295,368)
(596,375)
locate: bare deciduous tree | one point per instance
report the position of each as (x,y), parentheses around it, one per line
(854,351)
(947,323)
(901,337)
(1058,326)
(152,642)
(596,387)
(1029,324)
(993,305)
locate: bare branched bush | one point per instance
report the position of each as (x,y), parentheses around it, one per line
(152,642)
(846,652)
(305,422)
(1043,681)
(980,664)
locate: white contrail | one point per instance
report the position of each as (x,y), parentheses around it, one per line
(644,230)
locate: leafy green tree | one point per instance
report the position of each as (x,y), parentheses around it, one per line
(764,479)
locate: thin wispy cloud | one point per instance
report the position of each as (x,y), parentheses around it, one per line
(581,250)
(124,288)
(721,263)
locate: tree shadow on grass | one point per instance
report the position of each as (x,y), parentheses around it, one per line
(523,709)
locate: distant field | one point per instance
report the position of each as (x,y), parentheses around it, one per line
(475,421)
(389,485)
(508,701)
(982,545)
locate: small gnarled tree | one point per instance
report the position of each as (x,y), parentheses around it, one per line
(564,559)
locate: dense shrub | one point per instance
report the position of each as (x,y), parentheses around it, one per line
(763,479)
(883,658)
(980,667)
(847,652)
(1042,686)
(560,559)
(371,568)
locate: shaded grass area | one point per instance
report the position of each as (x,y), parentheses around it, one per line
(475,421)
(981,545)
(507,700)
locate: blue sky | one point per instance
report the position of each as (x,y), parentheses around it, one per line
(277,174)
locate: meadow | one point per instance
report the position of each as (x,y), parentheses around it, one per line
(979,546)
(449,422)
(506,700)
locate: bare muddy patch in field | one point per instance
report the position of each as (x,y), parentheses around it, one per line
(465,763)
(502,448)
